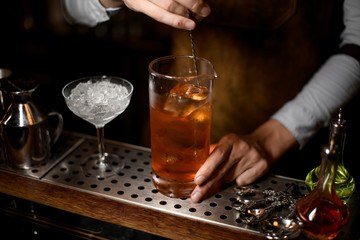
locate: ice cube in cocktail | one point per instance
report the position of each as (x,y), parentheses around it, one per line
(181,126)
(184,98)
(180,118)
(190,91)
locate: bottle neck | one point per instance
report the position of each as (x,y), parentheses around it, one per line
(328,170)
(338,138)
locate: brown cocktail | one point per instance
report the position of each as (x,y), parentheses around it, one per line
(180,119)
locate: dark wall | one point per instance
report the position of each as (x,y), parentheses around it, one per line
(37,44)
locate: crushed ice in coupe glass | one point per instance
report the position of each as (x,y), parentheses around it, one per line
(98,100)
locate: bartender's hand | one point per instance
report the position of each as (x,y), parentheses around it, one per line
(170,12)
(242,158)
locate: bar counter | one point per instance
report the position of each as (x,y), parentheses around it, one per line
(129,198)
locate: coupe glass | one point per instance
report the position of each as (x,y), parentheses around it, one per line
(98,100)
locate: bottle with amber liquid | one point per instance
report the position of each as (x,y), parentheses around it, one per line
(344,182)
(322,214)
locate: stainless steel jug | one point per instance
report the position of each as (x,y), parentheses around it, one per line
(25,131)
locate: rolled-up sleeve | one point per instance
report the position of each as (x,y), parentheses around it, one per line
(331,87)
(351,33)
(336,82)
(86,12)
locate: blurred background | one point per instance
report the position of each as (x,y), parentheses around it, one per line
(37,44)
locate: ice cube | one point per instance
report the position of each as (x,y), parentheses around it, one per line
(170,159)
(202,116)
(184,99)
(191,91)
(178,107)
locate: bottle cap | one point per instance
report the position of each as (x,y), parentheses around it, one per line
(338,125)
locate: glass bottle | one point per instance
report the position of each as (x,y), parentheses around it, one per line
(344,182)
(322,214)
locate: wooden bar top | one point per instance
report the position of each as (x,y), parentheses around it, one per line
(54,189)
(129,198)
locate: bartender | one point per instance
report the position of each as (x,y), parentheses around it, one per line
(285,67)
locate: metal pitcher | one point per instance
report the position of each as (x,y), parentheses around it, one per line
(25,131)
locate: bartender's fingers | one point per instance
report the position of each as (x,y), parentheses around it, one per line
(234,157)
(160,14)
(215,168)
(253,173)
(243,175)
(212,147)
(212,184)
(171,6)
(218,157)
(205,191)
(251,165)
(198,7)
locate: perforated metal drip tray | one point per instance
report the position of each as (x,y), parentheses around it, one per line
(63,147)
(134,186)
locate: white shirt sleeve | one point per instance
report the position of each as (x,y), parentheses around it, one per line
(351,33)
(86,12)
(336,82)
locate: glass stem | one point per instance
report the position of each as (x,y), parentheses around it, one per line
(100,138)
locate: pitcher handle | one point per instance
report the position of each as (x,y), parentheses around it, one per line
(55,136)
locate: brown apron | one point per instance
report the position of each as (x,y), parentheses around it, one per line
(264,51)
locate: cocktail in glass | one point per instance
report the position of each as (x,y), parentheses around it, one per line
(180,119)
(98,100)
